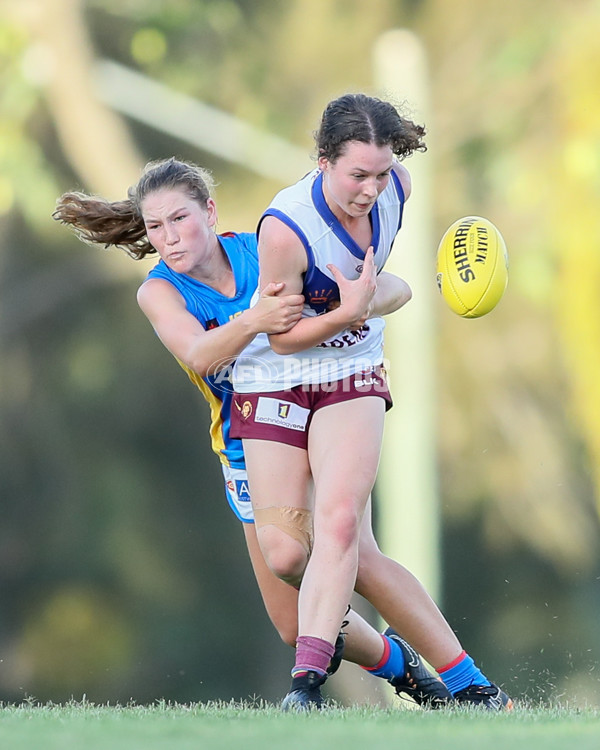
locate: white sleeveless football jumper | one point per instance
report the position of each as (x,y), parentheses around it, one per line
(303,208)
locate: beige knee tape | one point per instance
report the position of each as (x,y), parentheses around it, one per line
(296,522)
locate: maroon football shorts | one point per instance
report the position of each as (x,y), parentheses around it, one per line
(285,416)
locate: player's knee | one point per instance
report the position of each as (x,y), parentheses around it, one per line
(285,547)
(342,529)
(287,562)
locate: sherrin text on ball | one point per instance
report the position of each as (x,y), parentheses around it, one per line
(472,266)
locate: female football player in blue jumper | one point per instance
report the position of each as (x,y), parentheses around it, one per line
(198,300)
(310,401)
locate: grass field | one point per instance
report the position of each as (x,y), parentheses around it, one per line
(83,726)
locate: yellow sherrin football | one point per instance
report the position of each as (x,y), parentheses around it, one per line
(472,266)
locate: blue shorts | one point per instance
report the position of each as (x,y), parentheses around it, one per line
(237,493)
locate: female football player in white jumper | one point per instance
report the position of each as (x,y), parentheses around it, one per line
(310,402)
(198,300)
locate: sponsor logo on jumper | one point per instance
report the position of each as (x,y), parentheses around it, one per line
(212,323)
(284,410)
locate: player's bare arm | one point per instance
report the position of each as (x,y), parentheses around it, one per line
(184,336)
(282,257)
(392,293)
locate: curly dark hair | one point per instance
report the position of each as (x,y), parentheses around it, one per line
(358,117)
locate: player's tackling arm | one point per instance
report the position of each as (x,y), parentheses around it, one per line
(204,351)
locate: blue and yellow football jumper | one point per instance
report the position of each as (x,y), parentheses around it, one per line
(214,309)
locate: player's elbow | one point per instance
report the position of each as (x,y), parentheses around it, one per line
(281,344)
(393,294)
(202,370)
(402,294)
(205,368)
(199,368)
(405,294)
